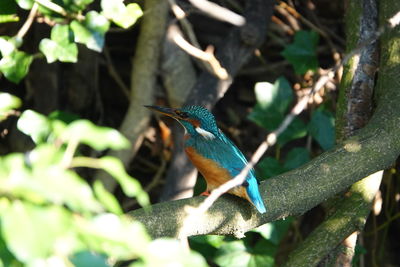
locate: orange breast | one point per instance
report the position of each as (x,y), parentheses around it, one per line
(214,174)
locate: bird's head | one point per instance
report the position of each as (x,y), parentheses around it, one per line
(197,120)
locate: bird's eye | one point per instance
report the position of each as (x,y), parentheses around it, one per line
(181,114)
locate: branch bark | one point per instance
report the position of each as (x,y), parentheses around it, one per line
(332,243)
(374,148)
(143,80)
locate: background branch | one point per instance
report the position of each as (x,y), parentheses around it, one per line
(232,53)
(143,78)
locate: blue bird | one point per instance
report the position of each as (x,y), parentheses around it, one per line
(213,154)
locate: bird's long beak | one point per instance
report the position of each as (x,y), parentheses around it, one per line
(171,112)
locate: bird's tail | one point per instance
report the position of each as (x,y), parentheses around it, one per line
(254,195)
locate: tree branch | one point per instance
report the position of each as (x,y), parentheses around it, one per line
(143,80)
(374,148)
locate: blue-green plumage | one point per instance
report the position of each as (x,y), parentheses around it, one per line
(208,147)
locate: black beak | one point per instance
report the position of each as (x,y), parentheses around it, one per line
(171,112)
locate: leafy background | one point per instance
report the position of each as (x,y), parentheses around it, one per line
(53,213)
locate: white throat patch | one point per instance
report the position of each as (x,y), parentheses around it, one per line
(206,134)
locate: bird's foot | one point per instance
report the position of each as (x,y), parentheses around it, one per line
(205,193)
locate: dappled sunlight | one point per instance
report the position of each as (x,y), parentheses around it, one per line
(352,146)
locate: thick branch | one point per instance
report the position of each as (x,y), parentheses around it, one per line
(144,73)
(353,112)
(374,148)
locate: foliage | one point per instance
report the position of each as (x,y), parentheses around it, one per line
(71,28)
(302,53)
(42,197)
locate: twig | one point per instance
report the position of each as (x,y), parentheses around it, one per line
(219,12)
(28,23)
(181,16)
(207,56)
(114,74)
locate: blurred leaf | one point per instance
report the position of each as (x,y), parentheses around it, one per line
(123,16)
(302,53)
(106,198)
(66,187)
(268,167)
(91,31)
(6,257)
(25,4)
(236,253)
(7,46)
(16,178)
(89,259)
(35,125)
(170,252)
(98,137)
(117,236)
(272,102)
(59,47)
(63,116)
(322,128)
(206,245)
(31,232)
(275,231)
(297,129)
(296,157)
(8,11)
(129,185)
(8,102)
(15,65)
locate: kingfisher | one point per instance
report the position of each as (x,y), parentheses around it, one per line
(213,154)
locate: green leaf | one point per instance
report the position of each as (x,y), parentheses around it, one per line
(8,11)
(237,254)
(98,137)
(268,167)
(170,252)
(62,186)
(129,185)
(123,16)
(7,46)
(297,129)
(302,53)
(7,103)
(116,236)
(296,157)
(274,231)
(25,4)
(31,232)
(60,46)
(15,65)
(34,124)
(106,198)
(91,31)
(322,128)
(89,259)
(273,101)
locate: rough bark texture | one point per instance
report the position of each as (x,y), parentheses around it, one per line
(373,148)
(325,245)
(233,53)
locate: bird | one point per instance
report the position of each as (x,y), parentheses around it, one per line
(212,153)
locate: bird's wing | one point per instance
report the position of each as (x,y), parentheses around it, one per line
(236,161)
